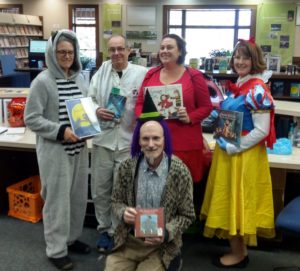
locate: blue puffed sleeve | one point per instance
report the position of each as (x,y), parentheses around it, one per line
(259,99)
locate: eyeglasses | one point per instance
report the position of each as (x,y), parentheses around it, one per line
(168,48)
(116,49)
(65,53)
(242,58)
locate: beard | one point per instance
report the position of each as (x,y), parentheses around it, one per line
(153,157)
(150,159)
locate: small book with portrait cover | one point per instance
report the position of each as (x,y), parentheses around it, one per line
(83,117)
(229,126)
(149,222)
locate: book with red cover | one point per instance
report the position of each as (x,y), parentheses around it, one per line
(149,222)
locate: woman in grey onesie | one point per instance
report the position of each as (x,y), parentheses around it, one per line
(62,156)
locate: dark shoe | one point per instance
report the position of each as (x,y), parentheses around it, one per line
(105,243)
(242,264)
(79,247)
(176,263)
(62,263)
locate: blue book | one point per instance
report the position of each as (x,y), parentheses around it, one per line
(116,103)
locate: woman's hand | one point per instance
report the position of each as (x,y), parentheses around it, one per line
(129,215)
(69,136)
(104,114)
(183,115)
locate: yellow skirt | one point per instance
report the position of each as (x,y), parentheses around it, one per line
(238,198)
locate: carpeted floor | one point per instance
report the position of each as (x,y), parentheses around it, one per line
(22,248)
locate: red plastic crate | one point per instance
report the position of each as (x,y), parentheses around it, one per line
(25,201)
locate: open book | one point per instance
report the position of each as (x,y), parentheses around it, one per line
(149,222)
(83,117)
(167,99)
(229,126)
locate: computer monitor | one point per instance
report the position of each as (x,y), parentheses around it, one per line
(37,46)
(36,53)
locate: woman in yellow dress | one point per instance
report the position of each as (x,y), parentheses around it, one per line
(238,202)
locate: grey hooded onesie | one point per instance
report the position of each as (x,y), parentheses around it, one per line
(64,177)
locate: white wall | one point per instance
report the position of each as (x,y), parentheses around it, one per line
(55,12)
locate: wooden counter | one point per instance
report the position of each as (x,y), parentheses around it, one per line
(287,108)
(6,93)
(275,161)
(280,165)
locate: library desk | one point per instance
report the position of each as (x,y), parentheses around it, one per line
(18,158)
(18,161)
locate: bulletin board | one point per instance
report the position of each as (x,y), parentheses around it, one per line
(276,29)
(141,15)
(112,23)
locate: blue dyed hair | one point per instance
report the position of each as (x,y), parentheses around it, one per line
(135,145)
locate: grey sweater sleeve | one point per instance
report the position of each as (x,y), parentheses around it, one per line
(41,111)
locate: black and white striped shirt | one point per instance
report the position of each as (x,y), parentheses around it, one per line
(68,90)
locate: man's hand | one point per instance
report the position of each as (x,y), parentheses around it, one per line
(69,136)
(129,215)
(152,241)
(105,114)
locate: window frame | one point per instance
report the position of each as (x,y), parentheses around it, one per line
(168,8)
(71,7)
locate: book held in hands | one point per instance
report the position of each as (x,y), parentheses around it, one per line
(83,117)
(149,222)
(116,103)
(167,99)
(229,126)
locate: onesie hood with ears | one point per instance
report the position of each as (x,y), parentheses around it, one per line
(50,55)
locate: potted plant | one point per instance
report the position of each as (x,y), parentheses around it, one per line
(85,62)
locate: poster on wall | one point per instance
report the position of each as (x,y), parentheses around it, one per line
(284,41)
(273,63)
(275,27)
(290,15)
(266,48)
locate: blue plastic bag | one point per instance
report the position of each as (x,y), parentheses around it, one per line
(282,146)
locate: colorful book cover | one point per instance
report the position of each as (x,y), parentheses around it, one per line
(223,63)
(149,222)
(229,126)
(83,117)
(116,103)
(167,99)
(277,88)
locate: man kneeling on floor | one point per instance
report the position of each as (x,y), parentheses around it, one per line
(152,178)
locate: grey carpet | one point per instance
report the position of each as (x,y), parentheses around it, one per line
(22,248)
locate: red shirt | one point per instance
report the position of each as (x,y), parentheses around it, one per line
(198,105)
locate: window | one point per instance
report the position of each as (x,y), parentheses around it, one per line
(207,28)
(84,20)
(11,8)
